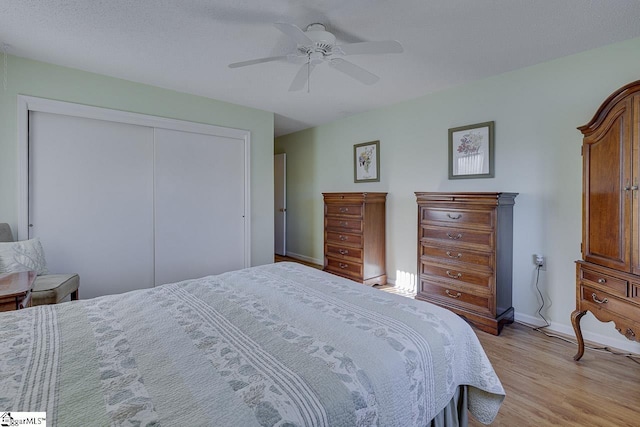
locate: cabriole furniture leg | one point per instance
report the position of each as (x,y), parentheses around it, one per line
(575,321)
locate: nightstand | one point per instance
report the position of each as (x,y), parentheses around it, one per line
(15,290)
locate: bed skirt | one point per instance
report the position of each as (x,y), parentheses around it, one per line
(455,414)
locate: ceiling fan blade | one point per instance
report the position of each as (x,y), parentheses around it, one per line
(354,71)
(295,33)
(387,46)
(258,61)
(302,77)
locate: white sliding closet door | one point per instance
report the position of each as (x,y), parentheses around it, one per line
(199,205)
(91,200)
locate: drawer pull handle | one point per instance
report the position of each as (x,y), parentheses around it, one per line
(450,255)
(454,276)
(449,235)
(599,301)
(630,334)
(343,251)
(344,210)
(343,238)
(343,223)
(343,265)
(456,295)
(602,281)
(454,217)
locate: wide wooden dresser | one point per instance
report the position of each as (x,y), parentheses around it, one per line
(608,275)
(354,236)
(465,255)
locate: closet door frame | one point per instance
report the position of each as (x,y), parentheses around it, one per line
(26,104)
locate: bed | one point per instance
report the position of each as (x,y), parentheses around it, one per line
(275,345)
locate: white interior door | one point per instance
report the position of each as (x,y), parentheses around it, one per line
(199,205)
(91,200)
(280,203)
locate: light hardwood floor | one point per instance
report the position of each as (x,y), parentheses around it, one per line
(545,387)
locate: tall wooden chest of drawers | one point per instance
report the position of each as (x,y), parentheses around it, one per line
(354,236)
(465,255)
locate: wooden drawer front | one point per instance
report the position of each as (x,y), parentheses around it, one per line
(455,297)
(344,224)
(457,275)
(344,210)
(600,300)
(348,268)
(611,284)
(457,255)
(457,216)
(345,239)
(344,252)
(458,236)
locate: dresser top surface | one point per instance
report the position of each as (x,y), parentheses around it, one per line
(467,197)
(354,196)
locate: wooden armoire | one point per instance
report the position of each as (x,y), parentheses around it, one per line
(608,275)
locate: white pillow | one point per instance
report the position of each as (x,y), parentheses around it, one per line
(26,255)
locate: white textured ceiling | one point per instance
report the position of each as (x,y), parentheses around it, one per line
(186,45)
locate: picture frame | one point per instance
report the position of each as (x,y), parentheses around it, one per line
(366,162)
(471,151)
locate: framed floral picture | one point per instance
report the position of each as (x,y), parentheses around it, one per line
(366,158)
(471,151)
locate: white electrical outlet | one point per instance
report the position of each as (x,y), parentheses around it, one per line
(539,261)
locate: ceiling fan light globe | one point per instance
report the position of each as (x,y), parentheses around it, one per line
(319,35)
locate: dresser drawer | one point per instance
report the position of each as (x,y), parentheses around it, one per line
(457,255)
(606,282)
(344,252)
(458,236)
(458,275)
(459,217)
(344,224)
(455,297)
(347,268)
(595,299)
(344,210)
(344,239)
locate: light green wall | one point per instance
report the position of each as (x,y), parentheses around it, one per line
(536,111)
(27,77)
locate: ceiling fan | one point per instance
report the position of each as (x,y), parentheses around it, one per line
(316,45)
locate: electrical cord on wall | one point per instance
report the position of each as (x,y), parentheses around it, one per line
(632,356)
(541,298)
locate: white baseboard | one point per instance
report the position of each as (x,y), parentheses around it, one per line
(529,320)
(601,340)
(305,258)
